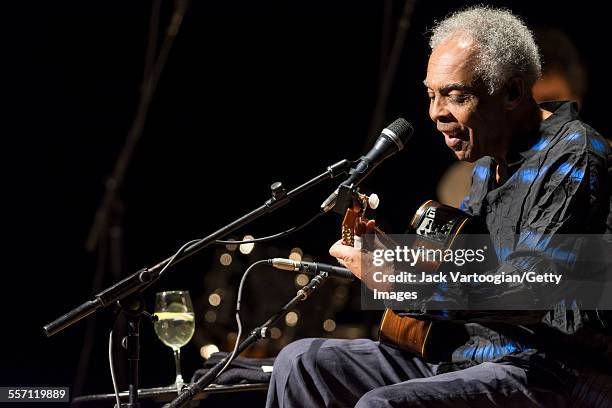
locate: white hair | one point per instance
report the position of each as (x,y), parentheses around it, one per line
(505,46)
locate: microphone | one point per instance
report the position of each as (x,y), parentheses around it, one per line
(391,140)
(311,268)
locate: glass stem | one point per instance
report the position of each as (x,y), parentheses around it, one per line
(177,362)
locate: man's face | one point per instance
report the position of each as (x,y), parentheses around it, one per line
(469,118)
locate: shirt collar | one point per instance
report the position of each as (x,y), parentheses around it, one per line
(562,113)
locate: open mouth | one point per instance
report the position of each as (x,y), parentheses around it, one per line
(452,140)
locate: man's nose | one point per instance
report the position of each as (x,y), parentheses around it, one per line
(438,111)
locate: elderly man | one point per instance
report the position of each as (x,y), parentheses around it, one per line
(539,170)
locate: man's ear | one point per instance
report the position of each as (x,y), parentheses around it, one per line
(514,92)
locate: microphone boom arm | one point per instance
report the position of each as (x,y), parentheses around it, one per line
(139,280)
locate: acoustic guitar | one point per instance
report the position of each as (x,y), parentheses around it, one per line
(436,226)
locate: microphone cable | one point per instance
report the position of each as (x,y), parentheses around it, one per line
(274,236)
(222,242)
(238,320)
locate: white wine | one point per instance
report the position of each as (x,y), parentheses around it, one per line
(175,329)
(175,324)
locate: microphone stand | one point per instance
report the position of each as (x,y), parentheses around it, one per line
(190,391)
(131,286)
(133,309)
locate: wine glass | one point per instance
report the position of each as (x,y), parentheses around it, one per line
(175,324)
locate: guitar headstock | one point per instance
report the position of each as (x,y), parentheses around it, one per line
(354,213)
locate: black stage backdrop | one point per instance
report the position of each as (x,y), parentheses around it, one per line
(253,92)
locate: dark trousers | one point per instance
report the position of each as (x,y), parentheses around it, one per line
(364,373)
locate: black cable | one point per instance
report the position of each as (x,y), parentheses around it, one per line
(268,238)
(238,321)
(177,253)
(271,237)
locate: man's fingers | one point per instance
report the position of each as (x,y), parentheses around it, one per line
(341,251)
(371,227)
(347,256)
(362,228)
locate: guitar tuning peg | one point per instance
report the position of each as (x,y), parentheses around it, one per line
(373,201)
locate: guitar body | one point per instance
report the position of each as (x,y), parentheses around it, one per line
(403,332)
(436,226)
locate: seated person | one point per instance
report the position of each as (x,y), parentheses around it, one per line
(483,65)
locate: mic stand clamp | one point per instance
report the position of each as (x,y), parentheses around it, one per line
(340,199)
(190,391)
(344,199)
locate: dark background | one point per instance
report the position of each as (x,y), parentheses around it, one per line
(253,92)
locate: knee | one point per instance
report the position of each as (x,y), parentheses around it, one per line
(291,354)
(376,398)
(409,395)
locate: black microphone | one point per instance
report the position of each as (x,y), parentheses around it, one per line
(311,268)
(391,140)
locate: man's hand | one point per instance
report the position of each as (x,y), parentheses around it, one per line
(353,258)
(348,256)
